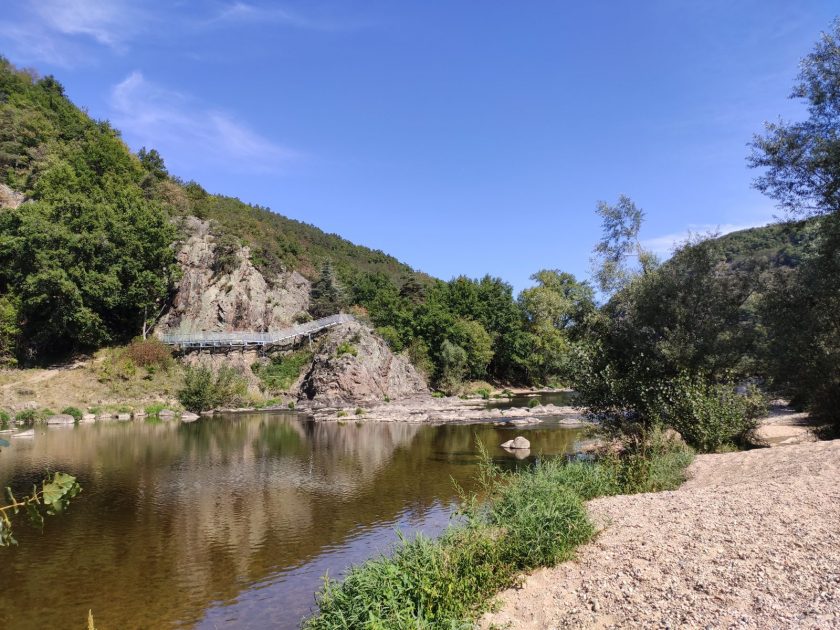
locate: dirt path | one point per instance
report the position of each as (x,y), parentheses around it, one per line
(752,540)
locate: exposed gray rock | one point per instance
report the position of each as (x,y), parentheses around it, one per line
(123,416)
(242,300)
(166,414)
(61,418)
(10,198)
(88,417)
(29,433)
(188,416)
(369,372)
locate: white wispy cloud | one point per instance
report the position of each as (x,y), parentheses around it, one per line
(664,246)
(67,33)
(186,131)
(108,22)
(244,12)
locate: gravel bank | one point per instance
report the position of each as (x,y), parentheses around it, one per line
(752,540)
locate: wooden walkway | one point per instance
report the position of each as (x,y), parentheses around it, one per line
(237,340)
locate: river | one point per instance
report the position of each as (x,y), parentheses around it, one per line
(230,521)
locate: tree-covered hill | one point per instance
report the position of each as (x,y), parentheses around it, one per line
(775,245)
(89,255)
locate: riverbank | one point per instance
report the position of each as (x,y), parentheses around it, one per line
(428,409)
(520,521)
(750,541)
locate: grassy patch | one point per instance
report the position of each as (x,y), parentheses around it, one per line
(530,518)
(279,375)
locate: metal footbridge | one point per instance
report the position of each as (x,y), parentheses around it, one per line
(237,340)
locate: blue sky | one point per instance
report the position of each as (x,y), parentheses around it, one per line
(461,137)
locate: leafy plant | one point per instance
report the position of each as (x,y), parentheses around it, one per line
(204,390)
(345,347)
(283,370)
(73,411)
(52,498)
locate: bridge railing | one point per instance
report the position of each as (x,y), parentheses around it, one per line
(245,338)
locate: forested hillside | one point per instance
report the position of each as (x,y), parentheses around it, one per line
(88,260)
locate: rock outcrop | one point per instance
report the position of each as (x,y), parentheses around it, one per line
(10,198)
(241,299)
(353,365)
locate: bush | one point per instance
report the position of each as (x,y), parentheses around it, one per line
(359,411)
(149,353)
(534,402)
(825,407)
(27,416)
(708,416)
(345,347)
(154,409)
(5,418)
(279,375)
(73,411)
(203,390)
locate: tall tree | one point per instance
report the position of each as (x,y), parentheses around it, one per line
(619,253)
(326,297)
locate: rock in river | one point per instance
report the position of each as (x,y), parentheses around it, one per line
(517,443)
(61,418)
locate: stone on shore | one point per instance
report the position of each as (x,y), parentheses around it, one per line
(188,416)
(166,414)
(88,417)
(61,418)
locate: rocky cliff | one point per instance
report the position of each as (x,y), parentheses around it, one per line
(353,365)
(240,298)
(10,198)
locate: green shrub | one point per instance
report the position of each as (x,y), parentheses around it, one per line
(534,402)
(27,416)
(154,409)
(483,392)
(291,404)
(73,411)
(392,337)
(5,418)
(203,390)
(825,407)
(438,395)
(359,411)
(279,375)
(708,416)
(345,347)
(341,413)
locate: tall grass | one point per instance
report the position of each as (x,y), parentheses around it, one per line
(527,519)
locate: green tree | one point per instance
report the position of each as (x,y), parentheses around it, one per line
(800,164)
(326,297)
(620,246)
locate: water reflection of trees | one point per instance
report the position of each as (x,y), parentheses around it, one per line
(175,516)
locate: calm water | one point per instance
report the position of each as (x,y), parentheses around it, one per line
(229,521)
(560,399)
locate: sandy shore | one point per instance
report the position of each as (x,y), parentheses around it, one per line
(752,540)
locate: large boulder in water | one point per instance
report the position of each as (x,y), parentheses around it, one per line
(354,365)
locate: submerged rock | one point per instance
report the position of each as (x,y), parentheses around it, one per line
(355,365)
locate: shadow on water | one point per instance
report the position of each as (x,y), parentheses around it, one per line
(230,520)
(560,398)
